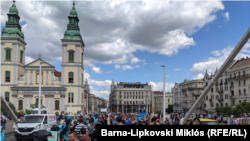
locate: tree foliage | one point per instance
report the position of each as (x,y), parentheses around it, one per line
(243,107)
(11,106)
(35,105)
(169,109)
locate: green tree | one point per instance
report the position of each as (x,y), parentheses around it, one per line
(12,108)
(169,109)
(218,110)
(28,112)
(227,110)
(35,105)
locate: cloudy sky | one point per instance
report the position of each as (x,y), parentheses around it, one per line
(128,40)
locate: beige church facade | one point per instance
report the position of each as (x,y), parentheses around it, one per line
(20,82)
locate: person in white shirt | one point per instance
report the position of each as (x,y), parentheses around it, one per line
(235,121)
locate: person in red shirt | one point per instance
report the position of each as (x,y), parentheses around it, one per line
(84,136)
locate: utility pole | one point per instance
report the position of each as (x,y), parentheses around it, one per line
(164,110)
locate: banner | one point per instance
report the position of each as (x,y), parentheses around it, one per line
(145,132)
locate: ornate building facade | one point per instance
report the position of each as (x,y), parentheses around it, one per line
(125,96)
(20,82)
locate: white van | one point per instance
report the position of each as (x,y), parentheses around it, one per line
(43,111)
(32,123)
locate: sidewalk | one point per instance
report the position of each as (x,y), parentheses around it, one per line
(9,127)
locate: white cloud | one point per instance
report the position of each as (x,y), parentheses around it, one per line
(199,76)
(179,69)
(216,53)
(158,62)
(108,72)
(218,59)
(135,60)
(28,59)
(227,16)
(128,67)
(97,70)
(159,86)
(104,85)
(121,28)
(167,76)
(117,66)
(146,75)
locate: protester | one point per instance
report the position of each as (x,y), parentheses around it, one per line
(84,136)
(79,126)
(94,134)
(73,127)
(235,121)
(72,136)
(64,135)
(167,121)
(196,122)
(128,121)
(231,119)
(154,121)
(3,120)
(119,120)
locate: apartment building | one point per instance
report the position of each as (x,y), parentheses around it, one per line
(176,97)
(158,100)
(232,87)
(190,91)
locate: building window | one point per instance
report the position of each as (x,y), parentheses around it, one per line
(72,97)
(244,91)
(142,102)
(20,104)
(21,57)
(37,101)
(124,102)
(133,97)
(57,105)
(136,102)
(127,97)
(82,79)
(7,96)
(139,97)
(244,82)
(7,76)
(136,97)
(243,72)
(71,77)
(212,90)
(71,56)
(239,92)
(239,83)
(8,54)
(124,97)
(142,97)
(239,101)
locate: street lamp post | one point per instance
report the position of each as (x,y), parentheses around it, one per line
(87,104)
(153,102)
(163,94)
(39,98)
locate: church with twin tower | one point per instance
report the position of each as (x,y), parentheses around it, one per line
(20,81)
